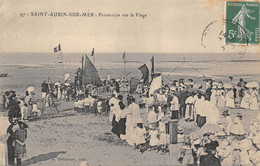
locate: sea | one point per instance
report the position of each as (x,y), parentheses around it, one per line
(30,69)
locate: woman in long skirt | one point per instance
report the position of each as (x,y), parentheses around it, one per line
(19,147)
(230,102)
(3,141)
(245,100)
(253,100)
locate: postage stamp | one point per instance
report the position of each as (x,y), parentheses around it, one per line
(245,19)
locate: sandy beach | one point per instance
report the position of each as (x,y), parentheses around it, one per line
(70,137)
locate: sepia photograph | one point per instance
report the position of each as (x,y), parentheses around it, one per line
(129,83)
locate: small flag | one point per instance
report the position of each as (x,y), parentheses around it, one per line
(152,68)
(92,53)
(133,84)
(59,48)
(56,49)
(124,56)
(145,71)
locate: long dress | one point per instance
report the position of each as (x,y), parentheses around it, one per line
(230,99)
(213,97)
(20,148)
(245,101)
(221,99)
(130,129)
(3,144)
(253,101)
(154,141)
(226,155)
(139,135)
(189,113)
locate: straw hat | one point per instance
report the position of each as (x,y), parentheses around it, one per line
(179,129)
(197,142)
(139,121)
(8,94)
(225,113)
(223,144)
(245,144)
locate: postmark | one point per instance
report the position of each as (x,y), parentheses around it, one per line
(245,17)
(214,35)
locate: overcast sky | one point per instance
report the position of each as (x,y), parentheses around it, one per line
(171,26)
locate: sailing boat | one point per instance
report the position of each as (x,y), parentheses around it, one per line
(89,74)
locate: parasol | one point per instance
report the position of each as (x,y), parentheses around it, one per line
(57,83)
(209,128)
(228,86)
(30,89)
(252,85)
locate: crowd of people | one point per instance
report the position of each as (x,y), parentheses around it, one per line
(174,100)
(13,138)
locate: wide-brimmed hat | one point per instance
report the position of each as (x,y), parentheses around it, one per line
(212,145)
(245,144)
(9,94)
(180,129)
(225,113)
(239,114)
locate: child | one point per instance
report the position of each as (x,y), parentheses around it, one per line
(36,111)
(188,158)
(181,141)
(238,129)
(235,154)
(225,153)
(24,111)
(154,141)
(164,142)
(139,136)
(152,117)
(99,106)
(79,105)
(19,138)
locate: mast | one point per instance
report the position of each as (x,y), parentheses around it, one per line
(62,63)
(124,62)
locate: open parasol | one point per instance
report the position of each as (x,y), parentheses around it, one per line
(30,89)
(252,85)
(209,128)
(228,86)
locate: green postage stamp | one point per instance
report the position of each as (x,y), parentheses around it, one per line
(242,23)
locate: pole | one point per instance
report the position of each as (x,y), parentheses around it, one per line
(124,63)
(62,63)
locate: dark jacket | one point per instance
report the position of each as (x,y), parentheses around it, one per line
(209,160)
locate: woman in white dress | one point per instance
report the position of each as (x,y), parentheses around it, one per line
(4,123)
(253,99)
(221,98)
(230,102)
(245,100)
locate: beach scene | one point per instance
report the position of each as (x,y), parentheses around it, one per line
(129,83)
(71,137)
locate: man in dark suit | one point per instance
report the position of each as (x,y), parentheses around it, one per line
(210,159)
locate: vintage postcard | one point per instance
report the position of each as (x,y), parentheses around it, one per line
(129,82)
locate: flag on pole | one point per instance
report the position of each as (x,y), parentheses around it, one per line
(133,84)
(152,68)
(58,48)
(124,55)
(145,71)
(92,53)
(156,84)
